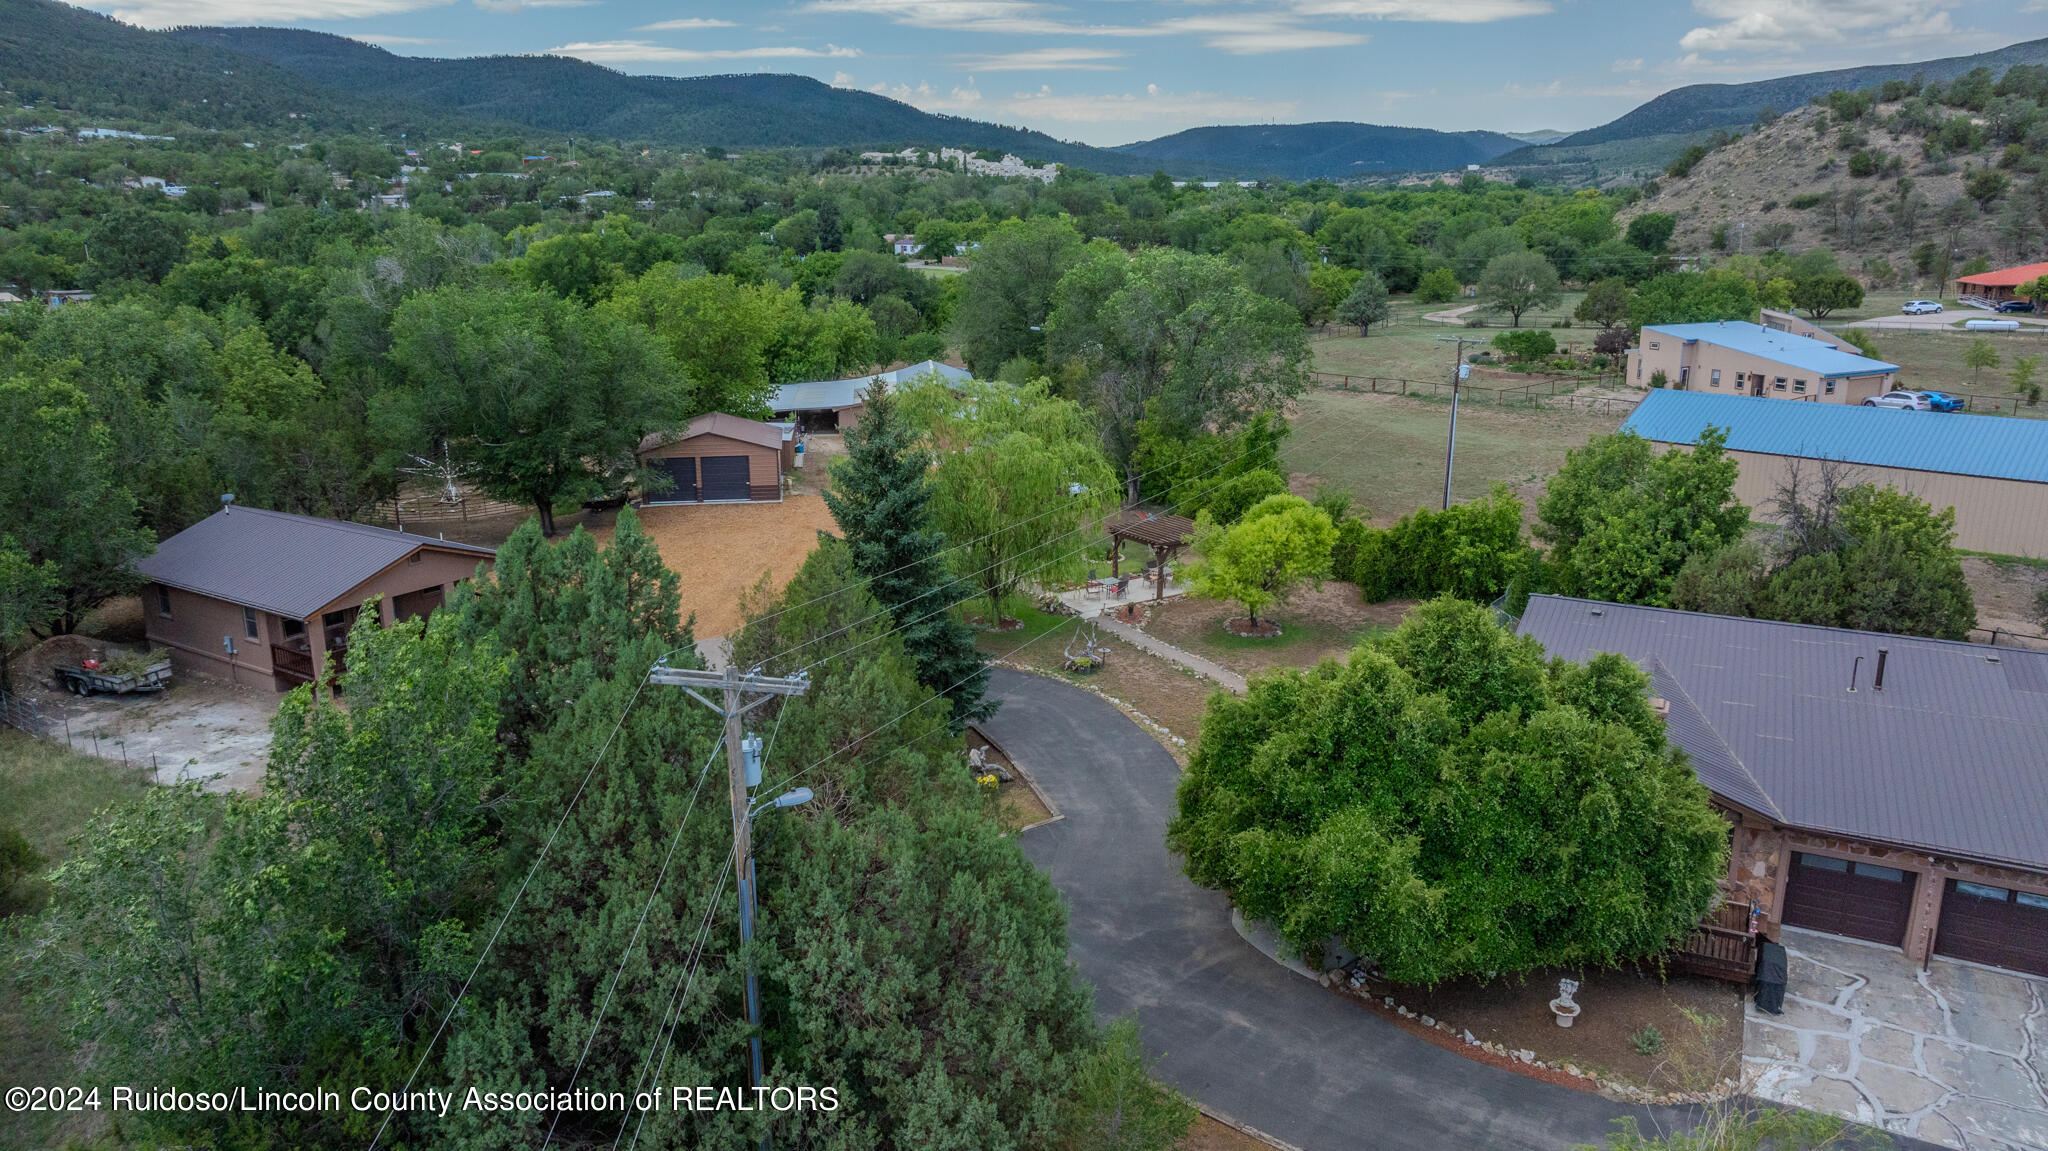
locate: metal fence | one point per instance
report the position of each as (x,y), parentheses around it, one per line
(22,714)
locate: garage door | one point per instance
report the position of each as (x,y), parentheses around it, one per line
(725,477)
(684,472)
(1859,899)
(1992,925)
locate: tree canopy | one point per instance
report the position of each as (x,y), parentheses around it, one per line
(1274,548)
(1621,520)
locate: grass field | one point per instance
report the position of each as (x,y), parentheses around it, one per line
(1935,360)
(1388,451)
(47,794)
(1409,347)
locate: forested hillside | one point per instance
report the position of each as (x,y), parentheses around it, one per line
(1332,150)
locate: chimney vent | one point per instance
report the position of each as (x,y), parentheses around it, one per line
(1877,681)
(1661,708)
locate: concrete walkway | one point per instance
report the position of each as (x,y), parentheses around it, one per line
(1956,1056)
(1230,1027)
(1207,668)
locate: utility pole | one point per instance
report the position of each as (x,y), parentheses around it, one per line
(743,766)
(1458,370)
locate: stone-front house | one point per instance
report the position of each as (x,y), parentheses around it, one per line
(259,597)
(1884,787)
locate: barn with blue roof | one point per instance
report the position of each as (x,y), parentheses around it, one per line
(1993,470)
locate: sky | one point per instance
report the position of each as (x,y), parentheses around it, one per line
(1114,71)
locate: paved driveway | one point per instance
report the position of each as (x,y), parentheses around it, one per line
(1956,1055)
(1232,1028)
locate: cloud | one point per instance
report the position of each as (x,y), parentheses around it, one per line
(964,98)
(506,6)
(1787,26)
(1002,17)
(1425,11)
(407,41)
(1047,59)
(1634,65)
(686,24)
(646,52)
(170,13)
(1252,34)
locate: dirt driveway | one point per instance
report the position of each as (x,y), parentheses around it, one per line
(198,728)
(722,550)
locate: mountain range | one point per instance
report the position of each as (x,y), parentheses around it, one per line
(53,54)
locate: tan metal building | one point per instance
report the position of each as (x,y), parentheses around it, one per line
(260,597)
(1738,358)
(1993,470)
(719,459)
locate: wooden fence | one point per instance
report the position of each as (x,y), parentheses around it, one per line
(1546,392)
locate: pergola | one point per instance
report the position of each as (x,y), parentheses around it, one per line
(1164,534)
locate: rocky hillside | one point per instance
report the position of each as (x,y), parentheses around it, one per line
(1789,187)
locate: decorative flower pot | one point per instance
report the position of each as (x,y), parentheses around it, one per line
(1565,1010)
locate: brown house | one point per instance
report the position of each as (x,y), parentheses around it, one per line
(1884,787)
(718,459)
(259,597)
(1738,358)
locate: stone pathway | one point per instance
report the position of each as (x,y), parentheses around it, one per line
(1166,651)
(1956,1055)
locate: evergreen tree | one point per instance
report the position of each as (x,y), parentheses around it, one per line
(881,499)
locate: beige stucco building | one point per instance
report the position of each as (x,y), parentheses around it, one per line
(1738,358)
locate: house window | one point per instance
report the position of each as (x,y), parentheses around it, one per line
(249,622)
(1639,367)
(1654,345)
(163,601)
(1715,378)
(1981,891)
(1779,386)
(294,628)
(1828,386)
(1798,385)
(2029,899)
(416,557)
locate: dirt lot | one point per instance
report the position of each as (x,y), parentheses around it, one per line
(1616,1004)
(1387,451)
(2004,590)
(1209,1135)
(1314,625)
(721,550)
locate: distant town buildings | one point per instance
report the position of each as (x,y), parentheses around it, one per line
(966,161)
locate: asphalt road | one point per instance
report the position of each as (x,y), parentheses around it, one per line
(1230,1027)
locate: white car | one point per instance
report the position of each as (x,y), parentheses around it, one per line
(1911,401)
(1921,307)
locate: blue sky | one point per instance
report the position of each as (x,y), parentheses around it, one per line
(1113,71)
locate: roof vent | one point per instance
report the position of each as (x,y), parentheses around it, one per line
(226,498)
(1597,611)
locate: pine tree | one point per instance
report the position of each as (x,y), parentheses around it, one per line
(881,498)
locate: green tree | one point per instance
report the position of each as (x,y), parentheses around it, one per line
(719,332)
(1693,297)
(30,601)
(1882,560)
(1652,231)
(1437,286)
(1368,304)
(1117,1105)
(1621,520)
(1516,283)
(1473,550)
(1522,346)
(1021,481)
(61,496)
(1819,295)
(1173,336)
(1394,801)
(1282,543)
(1978,356)
(881,497)
(132,243)
(2022,378)
(1605,303)
(547,398)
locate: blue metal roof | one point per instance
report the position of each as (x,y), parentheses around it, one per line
(1997,446)
(822,395)
(1822,359)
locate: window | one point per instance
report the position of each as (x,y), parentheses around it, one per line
(1639,367)
(163,601)
(1830,387)
(249,622)
(1779,386)
(1715,378)
(1798,385)
(1823,863)
(2029,899)
(416,557)
(294,628)
(1873,871)
(1981,891)
(1654,345)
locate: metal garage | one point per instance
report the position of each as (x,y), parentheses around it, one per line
(725,478)
(718,458)
(682,474)
(1864,900)
(1994,925)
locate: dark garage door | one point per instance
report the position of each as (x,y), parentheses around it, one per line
(725,477)
(684,472)
(1859,899)
(1993,925)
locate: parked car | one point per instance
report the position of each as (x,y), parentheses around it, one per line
(2017,306)
(1911,401)
(1943,402)
(1921,307)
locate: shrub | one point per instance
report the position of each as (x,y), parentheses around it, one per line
(1473,550)
(1658,379)
(1475,322)
(1612,341)
(1805,200)
(1437,286)
(1647,1041)
(1235,496)
(1522,346)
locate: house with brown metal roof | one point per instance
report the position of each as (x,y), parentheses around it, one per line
(1885,787)
(719,458)
(261,597)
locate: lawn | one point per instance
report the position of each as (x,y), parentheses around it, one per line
(1315,625)
(1934,359)
(1388,451)
(1410,347)
(48,793)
